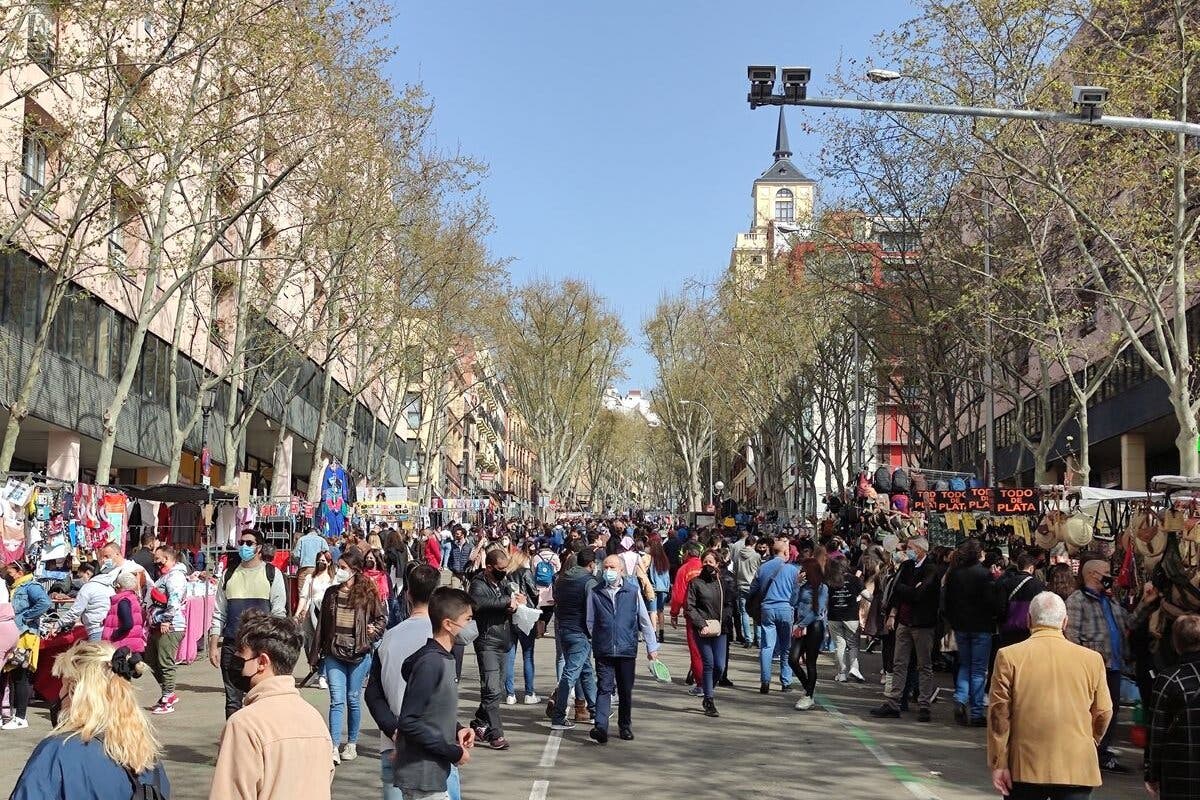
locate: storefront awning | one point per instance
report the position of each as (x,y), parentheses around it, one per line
(175,493)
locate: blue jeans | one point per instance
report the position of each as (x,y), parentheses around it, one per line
(346,683)
(660,600)
(974,650)
(577,669)
(712,654)
(747,624)
(774,641)
(510,664)
(453,782)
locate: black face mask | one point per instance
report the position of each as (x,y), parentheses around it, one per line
(1106,582)
(236,679)
(709,571)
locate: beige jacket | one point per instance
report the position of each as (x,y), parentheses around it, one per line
(1048,707)
(277,747)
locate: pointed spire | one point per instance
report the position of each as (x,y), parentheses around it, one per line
(782,149)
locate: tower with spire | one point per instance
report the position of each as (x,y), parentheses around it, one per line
(783,195)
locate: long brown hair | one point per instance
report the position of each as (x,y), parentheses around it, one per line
(658,556)
(363,592)
(814,576)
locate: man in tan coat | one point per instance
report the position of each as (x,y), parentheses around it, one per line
(1049,706)
(277,745)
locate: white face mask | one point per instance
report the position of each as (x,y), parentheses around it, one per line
(341,575)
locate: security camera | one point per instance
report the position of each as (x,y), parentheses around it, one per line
(1089,100)
(795,82)
(762,84)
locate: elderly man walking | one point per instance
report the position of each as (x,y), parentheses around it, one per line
(615,613)
(1049,707)
(1099,623)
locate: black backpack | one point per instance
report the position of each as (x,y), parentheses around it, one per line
(229,574)
(882,480)
(900,482)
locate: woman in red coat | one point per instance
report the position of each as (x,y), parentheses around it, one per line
(433,549)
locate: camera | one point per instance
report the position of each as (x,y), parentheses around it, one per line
(1089,99)
(762,83)
(795,82)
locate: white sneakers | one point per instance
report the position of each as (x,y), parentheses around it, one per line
(337,757)
(532,700)
(805,703)
(14,724)
(349,752)
(511,700)
(840,678)
(322,683)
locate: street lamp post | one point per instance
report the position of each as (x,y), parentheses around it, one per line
(711,431)
(1089,100)
(208,402)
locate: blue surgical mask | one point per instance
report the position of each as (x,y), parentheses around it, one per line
(106,565)
(246,551)
(912,555)
(612,577)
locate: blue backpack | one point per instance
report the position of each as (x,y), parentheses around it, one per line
(543,574)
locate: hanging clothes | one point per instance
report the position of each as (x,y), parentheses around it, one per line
(164,523)
(334,500)
(226,524)
(185,524)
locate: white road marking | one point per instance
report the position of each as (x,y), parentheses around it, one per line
(538,792)
(550,751)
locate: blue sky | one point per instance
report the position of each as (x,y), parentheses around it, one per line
(620,146)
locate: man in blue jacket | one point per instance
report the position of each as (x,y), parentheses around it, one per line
(615,613)
(774,583)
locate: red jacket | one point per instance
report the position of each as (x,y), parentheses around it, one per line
(687,570)
(433,552)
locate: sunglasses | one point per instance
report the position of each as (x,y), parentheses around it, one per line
(250,542)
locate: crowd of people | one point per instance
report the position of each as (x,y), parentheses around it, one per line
(389,617)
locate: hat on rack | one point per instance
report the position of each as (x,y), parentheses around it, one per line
(1079,532)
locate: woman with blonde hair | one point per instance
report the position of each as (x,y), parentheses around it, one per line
(103,747)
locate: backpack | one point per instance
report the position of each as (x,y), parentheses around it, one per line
(144,791)
(957,484)
(543,574)
(919,481)
(941,486)
(882,480)
(900,482)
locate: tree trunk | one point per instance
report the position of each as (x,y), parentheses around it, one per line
(1189,431)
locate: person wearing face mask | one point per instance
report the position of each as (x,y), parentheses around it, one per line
(91,603)
(251,584)
(167,625)
(615,614)
(914,597)
(429,741)
(1099,623)
(353,618)
(494,606)
(277,744)
(704,610)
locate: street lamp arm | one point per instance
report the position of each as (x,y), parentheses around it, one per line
(1128,123)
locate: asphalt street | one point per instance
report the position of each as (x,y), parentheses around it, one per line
(759,747)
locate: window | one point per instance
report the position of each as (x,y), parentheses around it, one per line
(43,36)
(756,260)
(785,206)
(33,163)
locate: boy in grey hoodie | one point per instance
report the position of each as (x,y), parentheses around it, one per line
(429,738)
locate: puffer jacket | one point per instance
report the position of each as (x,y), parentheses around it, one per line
(705,600)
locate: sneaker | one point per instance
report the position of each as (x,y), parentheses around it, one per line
(839,678)
(322,683)
(532,699)
(627,734)
(805,703)
(1108,764)
(960,713)
(787,688)
(349,751)
(710,709)
(15,724)
(565,725)
(481,732)
(696,691)
(337,757)
(499,743)
(725,683)
(511,700)
(923,715)
(169,699)
(764,688)
(598,736)
(162,708)
(979,722)
(886,711)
